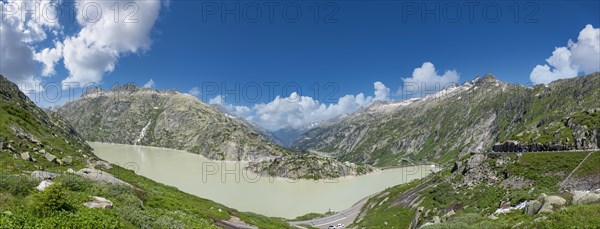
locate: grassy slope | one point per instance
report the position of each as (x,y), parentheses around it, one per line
(148,205)
(472,205)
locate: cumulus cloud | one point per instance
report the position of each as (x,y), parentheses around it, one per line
(50,57)
(426,80)
(195,91)
(149,84)
(582,56)
(239,111)
(299,111)
(87,54)
(17,34)
(97,47)
(381,91)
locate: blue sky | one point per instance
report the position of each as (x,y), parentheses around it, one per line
(185,46)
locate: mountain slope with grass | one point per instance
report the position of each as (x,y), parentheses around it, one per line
(132,115)
(465,118)
(495,190)
(50,178)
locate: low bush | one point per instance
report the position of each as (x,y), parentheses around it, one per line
(51,200)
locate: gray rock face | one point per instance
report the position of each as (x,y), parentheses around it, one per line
(100,176)
(132,115)
(43,175)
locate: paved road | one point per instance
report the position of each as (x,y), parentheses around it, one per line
(345,217)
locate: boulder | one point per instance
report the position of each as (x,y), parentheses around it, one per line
(43,175)
(552,203)
(68,160)
(26,156)
(436,219)
(99,202)
(43,185)
(100,176)
(50,157)
(533,207)
(585,197)
(448,215)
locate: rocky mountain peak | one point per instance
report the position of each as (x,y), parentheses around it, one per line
(128,88)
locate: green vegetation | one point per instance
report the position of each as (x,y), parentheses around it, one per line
(310,216)
(147,204)
(577,216)
(589,166)
(442,192)
(382,212)
(547,170)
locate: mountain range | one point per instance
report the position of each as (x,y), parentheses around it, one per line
(460,119)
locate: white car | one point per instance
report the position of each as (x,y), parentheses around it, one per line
(340,225)
(331,227)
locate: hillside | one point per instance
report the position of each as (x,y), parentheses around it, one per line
(134,115)
(495,190)
(50,178)
(464,118)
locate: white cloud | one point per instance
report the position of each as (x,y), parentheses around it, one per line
(425,80)
(218,100)
(381,91)
(87,54)
(97,47)
(149,84)
(239,111)
(50,57)
(299,111)
(568,62)
(17,35)
(195,91)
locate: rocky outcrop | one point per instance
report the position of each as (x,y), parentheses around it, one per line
(308,166)
(100,176)
(134,115)
(44,175)
(585,197)
(545,204)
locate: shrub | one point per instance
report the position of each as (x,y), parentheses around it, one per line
(51,200)
(166,223)
(135,216)
(75,183)
(16,185)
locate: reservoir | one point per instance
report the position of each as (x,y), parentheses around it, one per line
(229,184)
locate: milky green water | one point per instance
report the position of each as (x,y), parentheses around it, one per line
(228,184)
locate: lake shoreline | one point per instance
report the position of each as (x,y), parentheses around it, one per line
(226,183)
